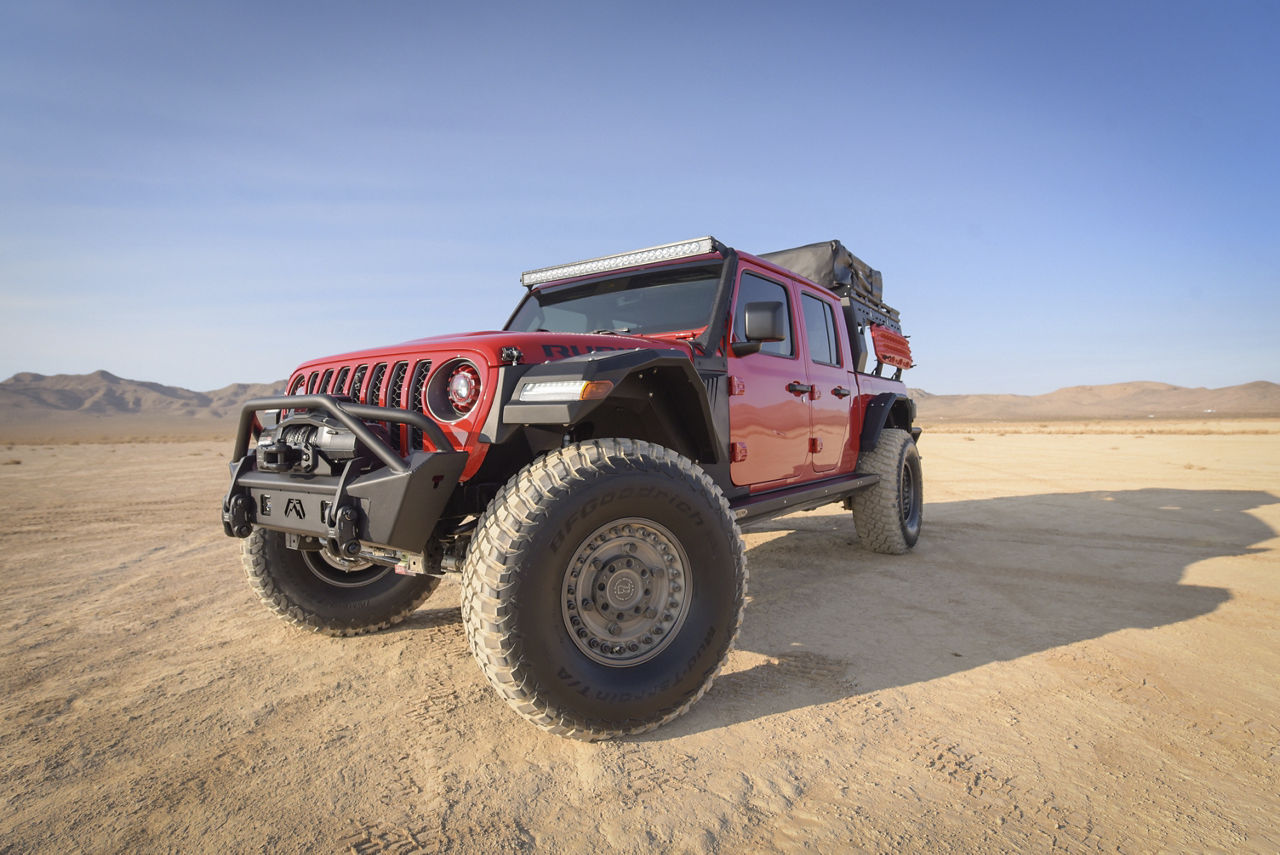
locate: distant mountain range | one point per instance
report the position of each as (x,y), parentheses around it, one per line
(102,405)
(1113,401)
(102,393)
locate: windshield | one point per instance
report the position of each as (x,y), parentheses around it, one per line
(658,301)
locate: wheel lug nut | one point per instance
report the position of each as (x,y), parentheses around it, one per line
(651,613)
(614,629)
(673,605)
(572,589)
(644,572)
(675,589)
(582,633)
(648,639)
(600,587)
(587,604)
(633,647)
(593,644)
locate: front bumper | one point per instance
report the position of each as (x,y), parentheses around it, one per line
(394,505)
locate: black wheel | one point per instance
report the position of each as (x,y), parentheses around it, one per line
(604,588)
(327,593)
(889,514)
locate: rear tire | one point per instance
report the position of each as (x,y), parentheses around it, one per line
(889,514)
(332,597)
(604,588)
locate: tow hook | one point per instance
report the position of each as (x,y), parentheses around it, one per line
(237,516)
(344,531)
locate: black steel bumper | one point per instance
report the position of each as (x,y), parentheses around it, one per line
(395,505)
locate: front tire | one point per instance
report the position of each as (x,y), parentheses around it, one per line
(327,594)
(888,515)
(604,588)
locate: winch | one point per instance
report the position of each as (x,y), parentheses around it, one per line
(299,446)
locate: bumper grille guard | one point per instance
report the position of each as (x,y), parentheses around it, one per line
(408,493)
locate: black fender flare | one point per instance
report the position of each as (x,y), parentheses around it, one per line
(884,408)
(641,377)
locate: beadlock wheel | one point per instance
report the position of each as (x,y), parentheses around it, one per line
(333,569)
(626,592)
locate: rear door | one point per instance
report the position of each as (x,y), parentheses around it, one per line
(833,387)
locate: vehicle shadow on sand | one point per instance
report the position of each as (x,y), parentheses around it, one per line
(991,580)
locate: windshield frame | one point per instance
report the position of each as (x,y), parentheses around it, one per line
(714,265)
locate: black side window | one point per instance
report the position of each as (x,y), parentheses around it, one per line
(754,289)
(820,328)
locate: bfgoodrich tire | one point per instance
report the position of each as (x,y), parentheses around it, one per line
(604,588)
(889,514)
(328,595)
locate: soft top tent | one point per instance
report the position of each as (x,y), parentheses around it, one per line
(832,265)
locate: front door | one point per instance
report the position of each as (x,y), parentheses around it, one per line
(768,420)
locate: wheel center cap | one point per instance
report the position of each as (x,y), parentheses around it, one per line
(624,589)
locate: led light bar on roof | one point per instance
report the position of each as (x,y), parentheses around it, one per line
(666,252)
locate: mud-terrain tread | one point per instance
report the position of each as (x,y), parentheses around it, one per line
(254,558)
(512,518)
(875,509)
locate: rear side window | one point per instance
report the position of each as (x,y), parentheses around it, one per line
(820,329)
(754,289)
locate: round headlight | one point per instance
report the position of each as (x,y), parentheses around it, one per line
(464,388)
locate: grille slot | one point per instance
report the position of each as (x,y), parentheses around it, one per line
(299,382)
(357,382)
(375,384)
(324,381)
(416,389)
(395,392)
(340,384)
(311,382)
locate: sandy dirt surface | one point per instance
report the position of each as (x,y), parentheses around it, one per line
(1082,654)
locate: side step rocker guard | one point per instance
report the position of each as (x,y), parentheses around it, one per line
(803,498)
(409,495)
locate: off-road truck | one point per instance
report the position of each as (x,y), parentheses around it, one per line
(586,469)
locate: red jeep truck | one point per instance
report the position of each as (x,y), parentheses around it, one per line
(586,469)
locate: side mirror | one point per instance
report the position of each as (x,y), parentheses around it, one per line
(761,322)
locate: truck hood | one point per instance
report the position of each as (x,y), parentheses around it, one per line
(534,347)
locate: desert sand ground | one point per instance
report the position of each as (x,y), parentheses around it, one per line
(1082,654)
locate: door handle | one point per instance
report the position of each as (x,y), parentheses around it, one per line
(795,387)
(841,392)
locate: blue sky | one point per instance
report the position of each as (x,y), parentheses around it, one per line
(201,194)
